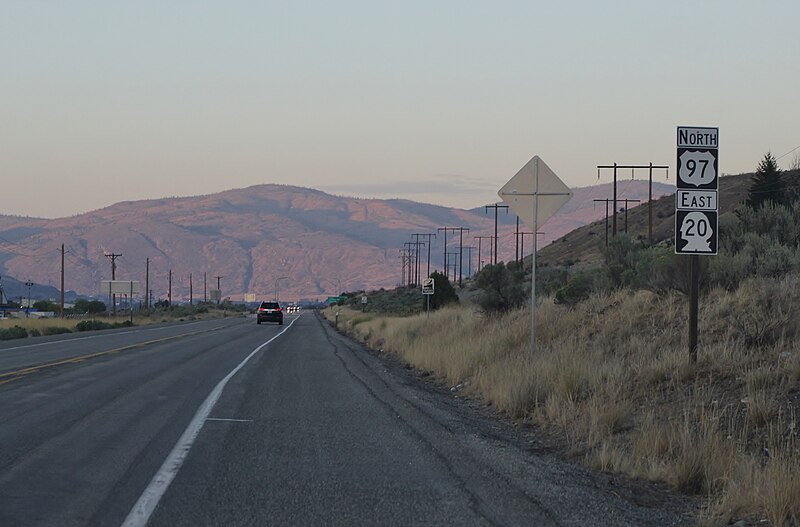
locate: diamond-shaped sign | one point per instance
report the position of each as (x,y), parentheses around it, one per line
(535,186)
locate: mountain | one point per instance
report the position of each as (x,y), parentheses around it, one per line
(314,243)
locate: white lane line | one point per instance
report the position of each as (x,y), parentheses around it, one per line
(147,502)
(229,420)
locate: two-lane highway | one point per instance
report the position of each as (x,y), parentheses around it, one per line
(80,440)
(309,429)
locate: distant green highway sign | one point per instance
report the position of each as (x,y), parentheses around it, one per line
(336,299)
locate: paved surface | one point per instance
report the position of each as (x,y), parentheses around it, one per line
(313,430)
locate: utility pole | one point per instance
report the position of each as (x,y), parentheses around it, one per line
(408,246)
(113,257)
(191,298)
(606,201)
(428,241)
(29,284)
(649,168)
(455,259)
(147,283)
(205,297)
(169,290)
(460,255)
(62,282)
(480,239)
(445,231)
(516,242)
(626,200)
(402,257)
(405,258)
(496,206)
(417,243)
(522,243)
(444,258)
(469,249)
(428,244)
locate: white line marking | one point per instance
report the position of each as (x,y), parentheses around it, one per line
(147,502)
(231,420)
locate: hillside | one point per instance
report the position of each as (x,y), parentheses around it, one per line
(584,245)
(251,237)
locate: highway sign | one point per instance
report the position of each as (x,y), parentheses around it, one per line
(535,187)
(696,201)
(696,232)
(363,299)
(119,287)
(697,168)
(427,286)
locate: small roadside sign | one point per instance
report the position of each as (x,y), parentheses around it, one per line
(364,299)
(427,286)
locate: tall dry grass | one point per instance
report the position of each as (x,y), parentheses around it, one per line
(613,374)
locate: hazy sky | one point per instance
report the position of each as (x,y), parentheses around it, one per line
(104,101)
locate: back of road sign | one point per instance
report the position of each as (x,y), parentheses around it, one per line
(521,190)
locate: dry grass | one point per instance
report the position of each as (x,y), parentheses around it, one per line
(39,324)
(44,325)
(613,375)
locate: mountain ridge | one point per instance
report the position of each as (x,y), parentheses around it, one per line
(252,236)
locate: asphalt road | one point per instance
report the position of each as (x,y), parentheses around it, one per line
(310,430)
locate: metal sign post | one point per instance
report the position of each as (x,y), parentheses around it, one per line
(696,209)
(535,193)
(427,290)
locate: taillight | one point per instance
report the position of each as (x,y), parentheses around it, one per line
(277,309)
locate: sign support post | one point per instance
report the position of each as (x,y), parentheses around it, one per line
(522,193)
(694,305)
(427,290)
(696,210)
(533,255)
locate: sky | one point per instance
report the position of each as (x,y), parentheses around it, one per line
(437,101)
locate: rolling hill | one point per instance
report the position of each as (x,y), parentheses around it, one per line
(250,237)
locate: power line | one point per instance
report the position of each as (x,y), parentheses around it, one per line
(787,153)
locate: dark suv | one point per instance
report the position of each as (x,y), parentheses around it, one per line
(269,312)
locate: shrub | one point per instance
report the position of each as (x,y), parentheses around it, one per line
(622,256)
(16,332)
(578,288)
(729,270)
(93,325)
(659,269)
(55,330)
(551,279)
(443,292)
(89,306)
(502,288)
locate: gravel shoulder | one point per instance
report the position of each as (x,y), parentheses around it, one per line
(510,465)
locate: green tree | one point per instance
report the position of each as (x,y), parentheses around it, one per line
(443,292)
(46,305)
(767,183)
(83,305)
